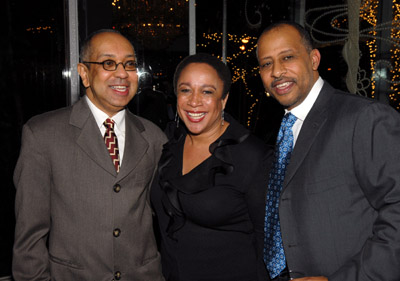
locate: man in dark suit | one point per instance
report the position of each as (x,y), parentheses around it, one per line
(339,206)
(81,215)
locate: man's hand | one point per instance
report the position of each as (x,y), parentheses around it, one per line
(317,278)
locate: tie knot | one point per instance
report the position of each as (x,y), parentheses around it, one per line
(288,120)
(109,123)
(286,127)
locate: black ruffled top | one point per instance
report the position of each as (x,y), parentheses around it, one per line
(205,228)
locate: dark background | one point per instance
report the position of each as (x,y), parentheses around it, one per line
(32,61)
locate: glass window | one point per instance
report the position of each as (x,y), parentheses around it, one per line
(32,61)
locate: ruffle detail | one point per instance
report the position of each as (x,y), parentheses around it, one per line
(201,177)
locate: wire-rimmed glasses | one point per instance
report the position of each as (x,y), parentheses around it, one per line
(111,65)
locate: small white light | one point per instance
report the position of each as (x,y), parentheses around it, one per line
(66,73)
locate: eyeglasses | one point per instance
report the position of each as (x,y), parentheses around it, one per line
(111,65)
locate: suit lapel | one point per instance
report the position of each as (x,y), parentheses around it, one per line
(135,145)
(313,123)
(90,138)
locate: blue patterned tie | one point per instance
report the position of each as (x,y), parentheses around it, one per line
(274,255)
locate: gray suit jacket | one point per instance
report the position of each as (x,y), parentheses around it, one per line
(77,219)
(340,205)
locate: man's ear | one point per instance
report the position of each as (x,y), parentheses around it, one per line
(315,58)
(84,74)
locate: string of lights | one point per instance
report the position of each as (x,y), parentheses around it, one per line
(394,96)
(166,24)
(369,10)
(241,47)
(39,29)
(153,23)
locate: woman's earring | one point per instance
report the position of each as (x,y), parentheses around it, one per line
(177,119)
(222,117)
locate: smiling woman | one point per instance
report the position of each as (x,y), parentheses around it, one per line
(209,170)
(200,103)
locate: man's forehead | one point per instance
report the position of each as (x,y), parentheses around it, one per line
(281,30)
(111,45)
(109,37)
(285,36)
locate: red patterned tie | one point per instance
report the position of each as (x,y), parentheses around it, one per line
(112,142)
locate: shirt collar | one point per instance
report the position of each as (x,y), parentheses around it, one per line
(301,111)
(101,116)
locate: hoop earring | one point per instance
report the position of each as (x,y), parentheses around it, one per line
(177,119)
(222,117)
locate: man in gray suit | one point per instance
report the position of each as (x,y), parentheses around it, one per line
(81,216)
(339,207)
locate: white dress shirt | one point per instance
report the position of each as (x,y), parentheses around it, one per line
(301,111)
(119,127)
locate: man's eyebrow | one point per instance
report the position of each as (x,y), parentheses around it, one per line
(280,53)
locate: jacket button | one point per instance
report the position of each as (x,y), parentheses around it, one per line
(116,232)
(117,188)
(117,275)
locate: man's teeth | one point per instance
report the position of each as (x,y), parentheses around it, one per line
(196,115)
(283,85)
(118,88)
